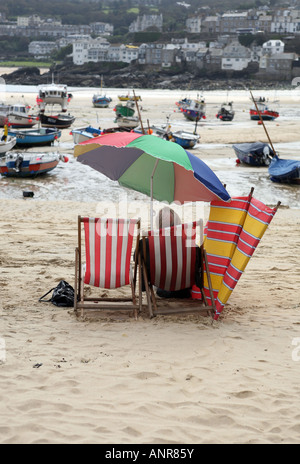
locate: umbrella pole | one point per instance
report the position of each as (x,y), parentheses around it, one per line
(151,194)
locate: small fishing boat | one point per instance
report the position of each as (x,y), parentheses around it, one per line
(129,97)
(261,110)
(35,137)
(60,121)
(226,112)
(284,171)
(7,144)
(15,164)
(195,111)
(100,100)
(185,139)
(254,154)
(53,94)
(127,110)
(17,116)
(84,133)
(127,121)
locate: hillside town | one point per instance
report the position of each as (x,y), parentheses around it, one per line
(220,48)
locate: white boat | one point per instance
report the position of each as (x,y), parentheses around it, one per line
(127,121)
(53,94)
(16,164)
(17,116)
(7,144)
(81,134)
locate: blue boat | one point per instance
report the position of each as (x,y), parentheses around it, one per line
(185,139)
(35,137)
(195,111)
(101,101)
(254,154)
(284,171)
(15,164)
(84,133)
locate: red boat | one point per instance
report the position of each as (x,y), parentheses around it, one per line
(264,111)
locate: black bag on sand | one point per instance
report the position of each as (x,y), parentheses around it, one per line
(63,295)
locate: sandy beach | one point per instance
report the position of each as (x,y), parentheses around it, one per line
(168,380)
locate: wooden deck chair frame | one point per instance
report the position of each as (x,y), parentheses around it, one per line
(183,305)
(83,303)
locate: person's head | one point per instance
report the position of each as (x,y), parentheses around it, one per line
(167,218)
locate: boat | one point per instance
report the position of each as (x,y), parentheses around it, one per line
(100,100)
(61,121)
(35,137)
(183,103)
(226,112)
(53,94)
(16,164)
(261,110)
(84,133)
(127,110)
(195,111)
(127,121)
(185,139)
(129,97)
(284,171)
(254,154)
(7,144)
(17,116)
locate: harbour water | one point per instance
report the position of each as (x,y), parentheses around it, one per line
(74,182)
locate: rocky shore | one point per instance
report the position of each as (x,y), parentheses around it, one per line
(131,77)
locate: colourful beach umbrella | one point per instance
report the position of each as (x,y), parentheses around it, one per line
(148,164)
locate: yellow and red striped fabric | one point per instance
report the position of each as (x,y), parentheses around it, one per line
(108,246)
(232,234)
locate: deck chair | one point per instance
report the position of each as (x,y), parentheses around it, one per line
(108,247)
(169,260)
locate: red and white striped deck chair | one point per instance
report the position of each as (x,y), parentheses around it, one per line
(171,257)
(108,247)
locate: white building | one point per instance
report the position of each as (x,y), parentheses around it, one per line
(41,49)
(273,46)
(193,25)
(89,50)
(236,57)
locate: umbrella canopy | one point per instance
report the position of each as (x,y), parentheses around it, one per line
(133,159)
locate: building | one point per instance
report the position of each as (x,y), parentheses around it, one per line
(146,22)
(42,49)
(88,49)
(102,28)
(273,47)
(236,57)
(193,25)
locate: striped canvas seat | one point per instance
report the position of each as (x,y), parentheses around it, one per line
(172,257)
(108,259)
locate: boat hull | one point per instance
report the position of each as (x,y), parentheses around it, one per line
(59,121)
(7,145)
(85,133)
(265,115)
(39,137)
(27,165)
(284,171)
(253,153)
(185,140)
